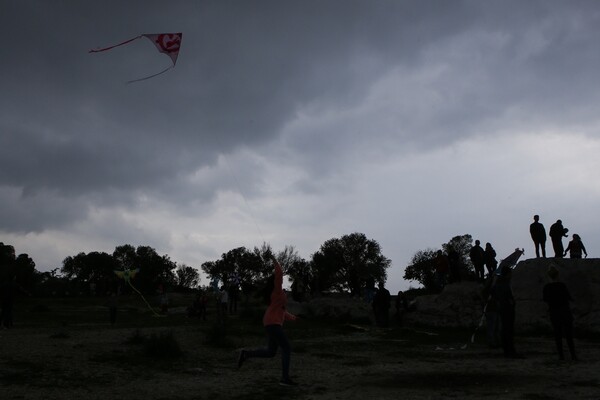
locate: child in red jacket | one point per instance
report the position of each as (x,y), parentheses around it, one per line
(273,322)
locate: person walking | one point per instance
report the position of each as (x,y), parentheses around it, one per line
(557,296)
(273,319)
(576,247)
(538,235)
(557,232)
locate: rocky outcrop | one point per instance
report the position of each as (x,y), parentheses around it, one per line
(335,308)
(582,277)
(461,304)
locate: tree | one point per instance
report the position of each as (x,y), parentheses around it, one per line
(252,267)
(95,267)
(154,269)
(422,265)
(346,263)
(422,268)
(7,262)
(462,245)
(187,277)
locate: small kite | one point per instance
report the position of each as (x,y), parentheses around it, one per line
(127,275)
(167,43)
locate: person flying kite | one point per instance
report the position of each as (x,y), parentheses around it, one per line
(167,43)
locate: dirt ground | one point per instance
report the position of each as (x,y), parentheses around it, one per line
(54,357)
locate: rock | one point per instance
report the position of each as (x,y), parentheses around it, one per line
(340,308)
(582,277)
(460,305)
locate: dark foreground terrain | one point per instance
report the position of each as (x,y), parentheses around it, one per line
(65,349)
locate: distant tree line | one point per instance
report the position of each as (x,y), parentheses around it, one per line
(342,264)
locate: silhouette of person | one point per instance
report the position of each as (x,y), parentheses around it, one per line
(112,303)
(538,235)
(8,285)
(381,306)
(490,259)
(401,306)
(223,303)
(234,290)
(454,262)
(576,247)
(442,267)
(557,296)
(273,320)
(492,316)
(502,296)
(477,255)
(369,289)
(557,232)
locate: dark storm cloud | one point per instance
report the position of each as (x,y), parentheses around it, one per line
(71,128)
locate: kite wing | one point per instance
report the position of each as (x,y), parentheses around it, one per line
(167,43)
(133,272)
(120,274)
(510,261)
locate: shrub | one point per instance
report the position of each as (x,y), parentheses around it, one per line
(162,345)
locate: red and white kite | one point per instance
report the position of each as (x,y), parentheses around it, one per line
(167,43)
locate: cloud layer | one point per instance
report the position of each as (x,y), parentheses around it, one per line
(295,122)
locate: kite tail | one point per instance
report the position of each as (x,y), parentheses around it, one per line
(116,45)
(151,76)
(145,301)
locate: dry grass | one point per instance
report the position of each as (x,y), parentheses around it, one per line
(66,349)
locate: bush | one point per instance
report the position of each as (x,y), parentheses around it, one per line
(217,336)
(162,345)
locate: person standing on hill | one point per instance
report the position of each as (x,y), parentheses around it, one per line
(538,235)
(477,255)
(557,232)
(576,247)
(557,296)
(490,259)
(273,319)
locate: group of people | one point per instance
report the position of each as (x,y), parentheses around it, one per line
(500,312)
(226,297)
(483,258)
(447,266)
(557,233)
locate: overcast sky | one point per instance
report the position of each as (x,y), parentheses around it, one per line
(294,122)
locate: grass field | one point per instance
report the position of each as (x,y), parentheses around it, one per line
(66,349)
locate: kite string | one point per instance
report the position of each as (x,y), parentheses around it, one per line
(116,45)
(143,298)
(151,76)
